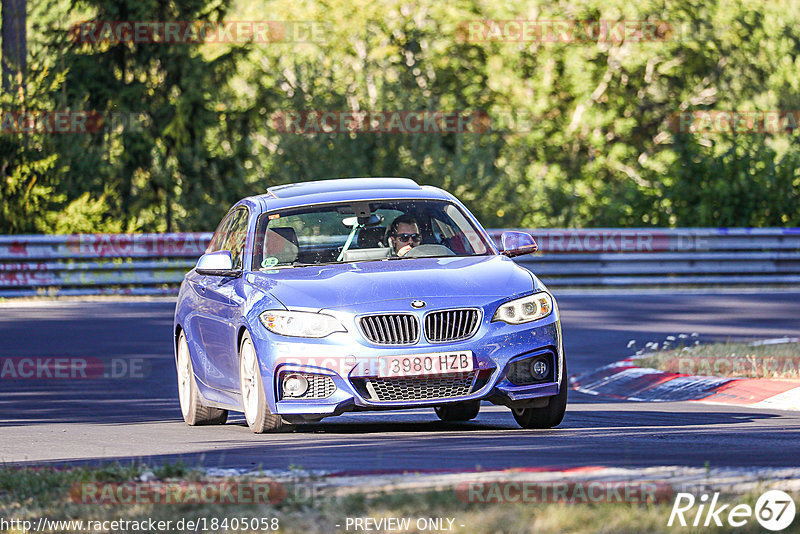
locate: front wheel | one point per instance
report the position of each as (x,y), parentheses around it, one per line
(547,416)
(192,409)
(254,400)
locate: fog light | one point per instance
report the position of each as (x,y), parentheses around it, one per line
(539,369)
(294,385)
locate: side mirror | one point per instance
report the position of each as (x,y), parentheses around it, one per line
(218,263)
(517,244)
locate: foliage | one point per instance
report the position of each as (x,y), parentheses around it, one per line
(580,131)
(29,168)
(171,150)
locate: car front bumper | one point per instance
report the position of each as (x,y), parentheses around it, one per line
(351,365)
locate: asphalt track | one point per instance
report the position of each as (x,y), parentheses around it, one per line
(137,418)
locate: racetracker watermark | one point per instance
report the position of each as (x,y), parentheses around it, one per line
(73,368)
(597,491)
(50,122)
(134,245)
(200,32)
(615,240)
(184,524)
(565,31)
(384,122)
(71,122)
(735,121)
(213,492)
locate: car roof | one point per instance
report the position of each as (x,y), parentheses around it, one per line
(345,190)
(341,184)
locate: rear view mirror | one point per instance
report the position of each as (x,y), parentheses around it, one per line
(218,263)
(366,222)
(517,244)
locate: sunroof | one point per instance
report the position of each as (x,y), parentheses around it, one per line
(346,184)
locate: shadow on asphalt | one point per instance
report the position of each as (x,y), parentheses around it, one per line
(101,402)
(585,419)
(636,438)
(29,402)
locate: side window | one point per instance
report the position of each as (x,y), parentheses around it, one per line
(220,234)
(475,243)
(235,237)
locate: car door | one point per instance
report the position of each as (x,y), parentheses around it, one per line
(197,320)
(221,305)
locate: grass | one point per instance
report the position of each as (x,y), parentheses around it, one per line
(41,486)
(746,360)
(30,493)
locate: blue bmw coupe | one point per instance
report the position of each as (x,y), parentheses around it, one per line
(325,297)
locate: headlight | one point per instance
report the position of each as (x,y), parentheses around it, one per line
(526,309)
(300,324)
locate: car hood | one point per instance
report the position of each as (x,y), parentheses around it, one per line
(330,286)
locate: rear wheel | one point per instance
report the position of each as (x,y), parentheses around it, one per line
(462,411)
(194,413)
(547,416)
(254,399)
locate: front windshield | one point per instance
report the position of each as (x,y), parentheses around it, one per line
(365,231)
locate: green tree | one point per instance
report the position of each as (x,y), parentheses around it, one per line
(172,150)
(580,132)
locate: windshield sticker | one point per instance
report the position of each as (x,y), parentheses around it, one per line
(269,261)
(274,216)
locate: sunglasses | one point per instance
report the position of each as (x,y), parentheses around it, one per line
(407,237)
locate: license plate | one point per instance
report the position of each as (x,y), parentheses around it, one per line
(436,363)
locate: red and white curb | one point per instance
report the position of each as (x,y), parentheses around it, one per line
(626,380)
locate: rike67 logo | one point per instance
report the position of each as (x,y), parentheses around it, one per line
(774,510)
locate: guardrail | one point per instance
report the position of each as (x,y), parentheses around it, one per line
(96,264)
(665,257)
(152,264)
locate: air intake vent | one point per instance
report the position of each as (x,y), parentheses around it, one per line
(319,386)
(420,387)
(391,329)
(451,325)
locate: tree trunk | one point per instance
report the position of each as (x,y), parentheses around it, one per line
(15,43)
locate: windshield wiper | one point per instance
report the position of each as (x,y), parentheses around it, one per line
(301,264)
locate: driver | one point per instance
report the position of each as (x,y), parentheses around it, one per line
(403,234)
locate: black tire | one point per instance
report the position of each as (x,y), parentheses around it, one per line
(549,416)
(462,411)
(192,408)
(254,399)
